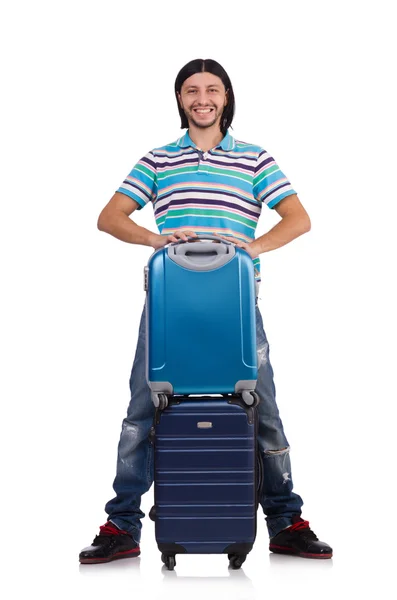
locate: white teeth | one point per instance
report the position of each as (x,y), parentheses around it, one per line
(203,110)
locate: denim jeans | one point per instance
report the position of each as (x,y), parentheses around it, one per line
(134,474)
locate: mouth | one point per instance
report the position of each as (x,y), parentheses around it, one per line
(203,111)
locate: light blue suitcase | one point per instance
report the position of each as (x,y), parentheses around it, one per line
(200,311)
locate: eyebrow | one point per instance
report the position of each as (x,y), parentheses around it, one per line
(208,86)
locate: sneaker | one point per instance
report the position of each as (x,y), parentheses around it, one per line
(300,540)
(111,543)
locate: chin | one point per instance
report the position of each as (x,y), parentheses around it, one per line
(204,125)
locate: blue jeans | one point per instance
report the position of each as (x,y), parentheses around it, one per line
(135,453)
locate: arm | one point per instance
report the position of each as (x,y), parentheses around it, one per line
(114,219)
(294,222)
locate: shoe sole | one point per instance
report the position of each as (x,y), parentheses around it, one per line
(127,554)
(286,550)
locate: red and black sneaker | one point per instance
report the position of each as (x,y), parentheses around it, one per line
(300,540)
(111,543)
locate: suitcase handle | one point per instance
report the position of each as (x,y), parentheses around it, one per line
(198,256)
(260,474)
(202,237)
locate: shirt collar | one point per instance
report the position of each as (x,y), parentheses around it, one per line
(227,143)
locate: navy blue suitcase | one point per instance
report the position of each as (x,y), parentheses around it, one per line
(207,472)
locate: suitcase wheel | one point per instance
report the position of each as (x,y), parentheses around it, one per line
(163,401)
(250,398)
(236,560)
(160,401)
(169,561)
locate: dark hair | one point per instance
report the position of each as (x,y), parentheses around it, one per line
(200,65)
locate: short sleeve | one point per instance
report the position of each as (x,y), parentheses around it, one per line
(141,183)
(270,185)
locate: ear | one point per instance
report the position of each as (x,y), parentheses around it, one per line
(179,99)
(226,97)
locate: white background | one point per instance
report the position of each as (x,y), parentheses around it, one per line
(87,89)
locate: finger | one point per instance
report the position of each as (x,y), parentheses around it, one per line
(186,234)
(180,235)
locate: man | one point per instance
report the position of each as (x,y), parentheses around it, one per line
(204,183)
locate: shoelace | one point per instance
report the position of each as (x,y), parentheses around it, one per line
(304,525)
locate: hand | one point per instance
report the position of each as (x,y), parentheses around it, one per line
(162,240)
(247,247)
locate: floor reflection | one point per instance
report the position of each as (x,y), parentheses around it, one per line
(124,565)
(281,561)
(234,585)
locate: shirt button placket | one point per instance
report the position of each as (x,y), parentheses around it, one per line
(204,157)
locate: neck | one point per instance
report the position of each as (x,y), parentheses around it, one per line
(205,139)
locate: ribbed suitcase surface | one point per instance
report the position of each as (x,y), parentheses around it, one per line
(205,475)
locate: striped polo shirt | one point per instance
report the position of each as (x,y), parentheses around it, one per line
(216,192)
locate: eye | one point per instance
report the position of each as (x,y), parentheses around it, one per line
(191,91)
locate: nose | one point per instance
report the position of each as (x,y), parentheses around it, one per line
(202,97)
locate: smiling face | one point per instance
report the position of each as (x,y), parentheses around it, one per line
(203,98)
